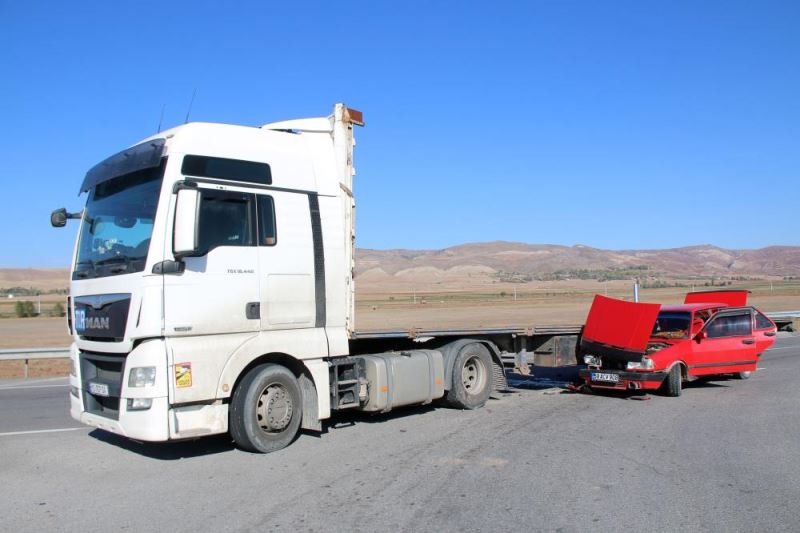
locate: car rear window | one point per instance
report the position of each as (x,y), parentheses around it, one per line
(762,322)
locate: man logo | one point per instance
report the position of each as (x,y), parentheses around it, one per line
(83,322)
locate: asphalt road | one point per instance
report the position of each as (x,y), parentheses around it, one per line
(722,457)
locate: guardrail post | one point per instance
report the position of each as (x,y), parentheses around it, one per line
(26,369)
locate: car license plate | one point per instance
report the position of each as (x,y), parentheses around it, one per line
(604,376)
(98,389)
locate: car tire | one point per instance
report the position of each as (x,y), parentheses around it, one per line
(672,385)
(743,375)
(266,409)
(471,378)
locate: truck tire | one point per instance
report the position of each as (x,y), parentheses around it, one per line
(672,385)
(471,377)
(266,409)
(743,375)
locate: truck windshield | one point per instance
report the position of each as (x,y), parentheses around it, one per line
(672,325)
(117,224)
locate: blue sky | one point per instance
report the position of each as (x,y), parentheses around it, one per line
(610,124)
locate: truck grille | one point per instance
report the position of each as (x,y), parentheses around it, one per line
(102,369)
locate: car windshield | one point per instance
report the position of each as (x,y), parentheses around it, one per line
(672,325)
(117,224)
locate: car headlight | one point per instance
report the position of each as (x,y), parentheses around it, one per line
(142,376)
(645,364)
(592,360)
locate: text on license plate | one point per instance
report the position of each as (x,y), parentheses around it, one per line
(98,389)
(604,376)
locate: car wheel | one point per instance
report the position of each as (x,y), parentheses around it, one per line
(743,375)
(266,409)
(472,377)
(672,385)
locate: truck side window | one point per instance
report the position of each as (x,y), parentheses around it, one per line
(227,169)
(730,326)
(762,322)
(267,234)
(226,219)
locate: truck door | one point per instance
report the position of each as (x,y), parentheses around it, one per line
(286,261)
(219,290)
(729,345)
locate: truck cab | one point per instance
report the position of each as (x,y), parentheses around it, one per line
(199,250)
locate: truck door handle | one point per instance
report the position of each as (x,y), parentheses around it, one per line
(748,341)
(253,310)
(769,333)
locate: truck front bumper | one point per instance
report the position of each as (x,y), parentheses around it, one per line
(621,380)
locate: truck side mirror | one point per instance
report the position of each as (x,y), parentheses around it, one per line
(58,218)
(187,209)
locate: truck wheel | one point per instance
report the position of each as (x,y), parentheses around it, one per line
(471,376)
(266,409)
(743,375)
(672,385)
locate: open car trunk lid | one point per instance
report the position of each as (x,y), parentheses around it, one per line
(736,298)
(618,329)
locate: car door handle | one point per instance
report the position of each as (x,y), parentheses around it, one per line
(769,333)
(748,341)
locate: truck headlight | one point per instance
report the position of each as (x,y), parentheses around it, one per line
(592,360)
(142,376)
(139,404)
(645,364)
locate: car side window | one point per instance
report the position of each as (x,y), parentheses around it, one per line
(730,326)
(226,219)
(762,322)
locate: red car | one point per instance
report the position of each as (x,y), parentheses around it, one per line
(631,346)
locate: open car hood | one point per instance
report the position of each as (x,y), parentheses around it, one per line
(618,328)
(737,298)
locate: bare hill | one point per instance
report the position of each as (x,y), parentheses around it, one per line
(479,263)
(537,259)
(43,279)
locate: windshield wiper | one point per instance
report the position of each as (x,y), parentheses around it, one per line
(83,274)
(118,269)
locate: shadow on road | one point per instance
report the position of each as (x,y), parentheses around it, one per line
(169,451)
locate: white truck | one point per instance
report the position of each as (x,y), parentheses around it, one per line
(212,291)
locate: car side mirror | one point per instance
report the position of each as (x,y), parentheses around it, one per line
(700,336)
(187,209)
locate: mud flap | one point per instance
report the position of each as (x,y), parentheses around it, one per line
(311,419)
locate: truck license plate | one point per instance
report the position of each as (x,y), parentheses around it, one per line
(98,389)
(604,376)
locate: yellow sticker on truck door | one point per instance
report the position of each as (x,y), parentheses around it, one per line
(183,375)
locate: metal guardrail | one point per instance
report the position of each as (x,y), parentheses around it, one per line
(784,314)
(26,354)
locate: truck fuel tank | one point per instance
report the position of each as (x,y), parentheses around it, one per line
(403,378)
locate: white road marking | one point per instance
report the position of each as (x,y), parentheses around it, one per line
(23,387)
(795,346)
(33,432)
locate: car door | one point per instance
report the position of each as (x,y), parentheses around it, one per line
(765,331)
(725,345)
